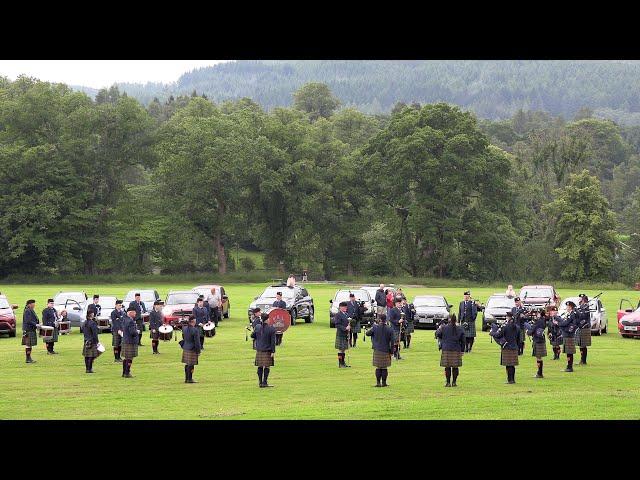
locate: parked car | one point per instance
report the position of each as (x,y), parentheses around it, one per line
(146,296)
(495,310)
(430,310)
(343,296)
(108,305)
(7,316)
(179,304)
(629,319)
(596,309)
(539,296)
(372,289)
(299,302)
(206,290)
(75,303)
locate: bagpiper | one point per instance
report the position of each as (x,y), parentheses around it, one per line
(130,338)
(519,316)
(569,325)
(156,320)
(453,343)
(30,324)
(90,346)
(353,312)
(396,321)
(555,334)
(583,335)
(95,306)
(409,328)
(382,338)
(467,313)
(265,337)
(510,332)
(140,308)
(342,334)
(190,349)
(50,318)
(539,341)
(117,319)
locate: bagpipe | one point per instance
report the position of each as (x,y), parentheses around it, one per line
(497,334)
(442,323)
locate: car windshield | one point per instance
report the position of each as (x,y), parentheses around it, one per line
(182,298)
(147,296)
(343,296)
(536,293)
(500,302)
(429,302)
(4,303)
(270,292)
(61,298)
(107,302)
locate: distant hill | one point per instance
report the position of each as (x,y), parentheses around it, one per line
(492,89)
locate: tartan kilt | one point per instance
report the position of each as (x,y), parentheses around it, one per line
(129,350)
(116,340)
(381,359)
(523,334)
(556,342)
(263,359)
(154,336)
(539,349)
(90,351)
(508,357)
(356,327)
(190,357)
(470,331)
(54,339)
(30,339)
(342,342)
(583,338)
(450,358)
(409,329)
(569,345)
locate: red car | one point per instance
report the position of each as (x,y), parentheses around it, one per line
(629,320)
(7,317)
(179,305)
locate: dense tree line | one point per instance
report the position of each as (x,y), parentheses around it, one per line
(108,185)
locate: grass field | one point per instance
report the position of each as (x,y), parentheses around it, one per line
(308,383)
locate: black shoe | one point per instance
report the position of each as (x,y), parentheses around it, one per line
(568,369)
(30,361)
(384,384)
(191,380)
(118,360)
(511,382)
(127,375)
(261,385)
(266,385)
(89,371)
(377,385)
(454,384)
(447,384)
(538,375)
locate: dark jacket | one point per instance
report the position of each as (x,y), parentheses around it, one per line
(129,331)
(518,315)
(408,314)
(539,323)
(90,331)
(381,298)
(116,320)
(265,336)
(140,309)
(381,338)
(255,321)
(452,337)
(569,325)
(279,304)
(511,333)
(201,314)
(49,317)
(95,308)
(584,316)
(191,337)
(155,320)
(467,312)
(29,320)
(394,318)
(341,321)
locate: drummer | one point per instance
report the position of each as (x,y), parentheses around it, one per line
(30,325)
(117,317)
(190,344)
(201,315)
(50,319)
(156,319)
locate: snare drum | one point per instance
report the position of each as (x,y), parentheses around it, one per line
(46,333)
(104,323)
(165,332)
(209,329)
(64,327)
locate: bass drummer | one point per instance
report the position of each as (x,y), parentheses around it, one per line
(279,303)
(156,320)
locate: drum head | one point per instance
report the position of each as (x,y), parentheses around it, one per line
(46,328)
(208,326)
(165,329)
(280,319)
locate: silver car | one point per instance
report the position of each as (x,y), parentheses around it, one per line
(430,310)
(75,303)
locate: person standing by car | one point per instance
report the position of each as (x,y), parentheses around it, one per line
(519,316)
(396,321)
(539,341)
(509,352)
(117,318)
(130,339)
(510,293)
(265,337)
(30,325)
(555,334)
(342,334)
(140,308)
(215,302)
(90,347)
(583,336)
(382,344)
(467,313)
(452,341)
(279,302)
(202,316)
(568,327)
(190,349)
(95,306)
(50,318)
(156,320)
(389,300)
(353,312)
(381,301)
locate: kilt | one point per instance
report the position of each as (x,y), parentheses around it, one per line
(556,342)
(154,336)
(523,334)
(381,359)
(129,350)
(190,357)
(583,338)
(31,339)
(54,339)
(90,350)
(509,357)
(539,349)
(356,327)
(569,345)
(396,336)
(409,329)
(263,359)
(116,339)
(342,341)
(470,331)
(450,358)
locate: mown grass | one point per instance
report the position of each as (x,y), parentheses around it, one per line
(308,384)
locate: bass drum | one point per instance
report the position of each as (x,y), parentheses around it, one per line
(280,319)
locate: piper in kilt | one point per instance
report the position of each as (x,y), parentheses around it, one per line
(453,342)
(568,326)
(509,352)
(342,334)
(90,346)
(382,338)
(156,319)
(555,334)
(30,325)
(190,349)
(408,310)
(265,336)
(117,318)
(583,337)
(201,315)
(397,323)
(467,313)
(539,341)
(50,318)
(130,338)
(140,308)
(353,312)
(519,316)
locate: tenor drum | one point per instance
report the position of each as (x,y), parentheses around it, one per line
(64,327)
(165,332)
(46,332)
(209,329)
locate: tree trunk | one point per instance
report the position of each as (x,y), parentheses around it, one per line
(350,269)
(222,255)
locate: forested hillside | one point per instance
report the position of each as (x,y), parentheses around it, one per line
(491,89)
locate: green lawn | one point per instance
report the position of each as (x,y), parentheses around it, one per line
(308,384)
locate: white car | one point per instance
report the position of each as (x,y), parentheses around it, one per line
(75,303)
(598,313)
(343,296)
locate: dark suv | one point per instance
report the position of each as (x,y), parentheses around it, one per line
(299,302)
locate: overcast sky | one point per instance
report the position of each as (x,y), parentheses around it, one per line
(101,73)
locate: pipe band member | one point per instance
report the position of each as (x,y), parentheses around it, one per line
(519,317)
(509,352)
(95,306)
(467,313)
(156,320)
(409,327)
(117,318)
(191,348)
(140,308)
(265,337)
(51,319)
(539,340)
(382,338)
(555,334)
(583,335)
(353,312)
(30,324)
(201,315)
(90,346)
(342,334)
(255,320)
(396,321)
(279,303)
(452,338)
(130,339)
(568,326)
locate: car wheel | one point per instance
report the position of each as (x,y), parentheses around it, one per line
(12,334)
(310,318)
(598,332)
(604,330)
(293,317)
